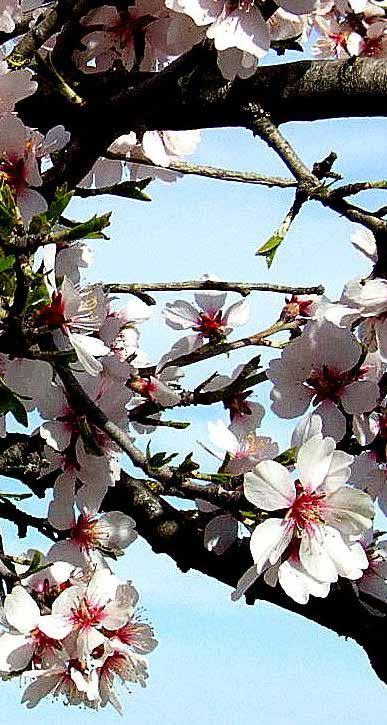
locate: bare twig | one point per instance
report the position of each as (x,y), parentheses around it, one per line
(243,288)
(210,172)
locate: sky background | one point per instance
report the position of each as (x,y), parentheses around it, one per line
(221,663)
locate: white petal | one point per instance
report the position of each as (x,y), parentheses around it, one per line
(121,529)
(315,558)
(272,536)
(15,652)
(298,584)
(333,420)
(220,533)
(349,510)
(360,397)
(313,461)
(237,314)
(269,486)
(222,437)
(308,427)
(21,610)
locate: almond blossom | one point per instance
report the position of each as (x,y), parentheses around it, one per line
(323,519)
(364,241)
(208,319)
(14,86)
(236,26)
(114,32)
(73,316)
(245,415)
(368,298)
(324,367)
(63,432)
(20,151)
(245,452)
(110,533)
(86,609)
(370,475)
(65,678)
(26,637)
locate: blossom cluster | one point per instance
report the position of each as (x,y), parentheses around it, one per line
(69,624)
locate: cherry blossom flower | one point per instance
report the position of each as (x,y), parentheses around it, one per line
(369,299)
(110,533)
(245,452)
(324,517)
(119,332)
(236,26)
(102,603)
(208,319)
(26,637)
(245,415)
(20,150)
(323,366)
(165,36)
(74,315)
(65,260)
(162,147)
(313,307)
(66,677)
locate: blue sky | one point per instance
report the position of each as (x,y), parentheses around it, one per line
(221,663)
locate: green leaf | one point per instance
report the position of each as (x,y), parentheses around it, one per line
(10,403)
(269,249)
(91,229)
(287,457)
(7,263)
(38,293)
(161,459)
(18,411)
(133,190)
(35,562)
(8,210)
(60,202)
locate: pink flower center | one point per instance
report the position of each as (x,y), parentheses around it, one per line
(307,509)
(42,644)
(87,614)
(210,325)
(296,308)
(327,383)
(53,315)
(13,172)
(85,532)
(340,39)
(238,406)
(144,386)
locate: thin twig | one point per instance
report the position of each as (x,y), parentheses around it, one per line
(243,288)
(210,172)
(212,350)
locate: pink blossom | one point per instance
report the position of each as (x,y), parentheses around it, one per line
(324,517)
(323,367)
(74,315)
